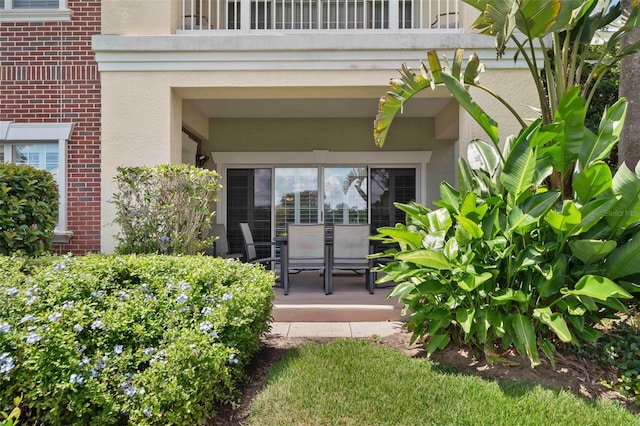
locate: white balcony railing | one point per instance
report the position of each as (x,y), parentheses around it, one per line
(319,15)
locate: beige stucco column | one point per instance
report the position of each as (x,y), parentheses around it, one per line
(517,88)
(141,125)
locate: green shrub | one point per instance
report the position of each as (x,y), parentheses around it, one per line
(144,339)
(506,260)
(541,240)
(28,209)
(164,209)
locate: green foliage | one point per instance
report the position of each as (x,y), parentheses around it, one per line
(541,239)
(138,339)
(620,348)
(28,209)
(11,419)
(505,261)
(164,209)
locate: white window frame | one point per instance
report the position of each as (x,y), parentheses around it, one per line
(10,14)
(12,133)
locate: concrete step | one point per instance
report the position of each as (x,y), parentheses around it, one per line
(336,313)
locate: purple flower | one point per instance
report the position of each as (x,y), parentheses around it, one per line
(77,328)
(6,363)
(205,326)
(182,298)
(206,310)
(5,327)
(97,324)
(12,292)
(227,296)
(27,318)
(55,316)
(117,349)
(233,359)
(76,379)
(33,338)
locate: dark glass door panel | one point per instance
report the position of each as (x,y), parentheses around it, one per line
(249,200)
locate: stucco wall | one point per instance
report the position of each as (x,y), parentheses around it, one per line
(142,17)
(305,134)
(516,87)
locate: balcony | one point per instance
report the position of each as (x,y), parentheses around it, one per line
(318,16)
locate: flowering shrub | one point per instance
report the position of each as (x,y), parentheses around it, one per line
(164,209)
(138,339)
(28,209)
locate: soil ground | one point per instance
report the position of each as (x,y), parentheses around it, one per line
(579,376)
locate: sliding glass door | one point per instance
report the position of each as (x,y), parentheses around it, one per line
(283,195)
(346,196)
(296,197)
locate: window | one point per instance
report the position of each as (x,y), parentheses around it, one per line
(34,10)
(43,146)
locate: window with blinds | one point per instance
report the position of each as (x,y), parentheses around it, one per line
(35,4)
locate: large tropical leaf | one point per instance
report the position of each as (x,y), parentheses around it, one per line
(608,135)
(625,260)
(429,258)
(465,100)
(568,219)
(500,18)
(521,219)
(597,287)
(555,321)
(627,210)
(590,251)
(464,317)
(592,181)
(520,164)
(450,198)
(525,337)
(413,239)
(439,220)
(483,156)
(399,91)
(592,213)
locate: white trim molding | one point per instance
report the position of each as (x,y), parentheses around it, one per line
(34,131)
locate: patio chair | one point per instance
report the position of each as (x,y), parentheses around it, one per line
(351,246)
(305,250)
(221,245)
(250,247)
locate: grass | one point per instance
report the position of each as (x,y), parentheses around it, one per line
(354,382)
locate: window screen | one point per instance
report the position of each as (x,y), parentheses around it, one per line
(35,4)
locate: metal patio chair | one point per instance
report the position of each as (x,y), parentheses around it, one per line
(250,247)
(220,246)
(305,250)
(351,246)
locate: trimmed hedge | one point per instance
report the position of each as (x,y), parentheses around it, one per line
(28,209)
(128,339)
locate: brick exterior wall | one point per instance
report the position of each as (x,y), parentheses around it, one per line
(48,74)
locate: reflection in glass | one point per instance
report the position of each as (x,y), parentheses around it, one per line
(296,196)
(345,195)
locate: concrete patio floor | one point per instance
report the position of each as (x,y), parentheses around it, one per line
(350,301)
(336,329)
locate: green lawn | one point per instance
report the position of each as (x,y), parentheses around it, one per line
(353,382)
